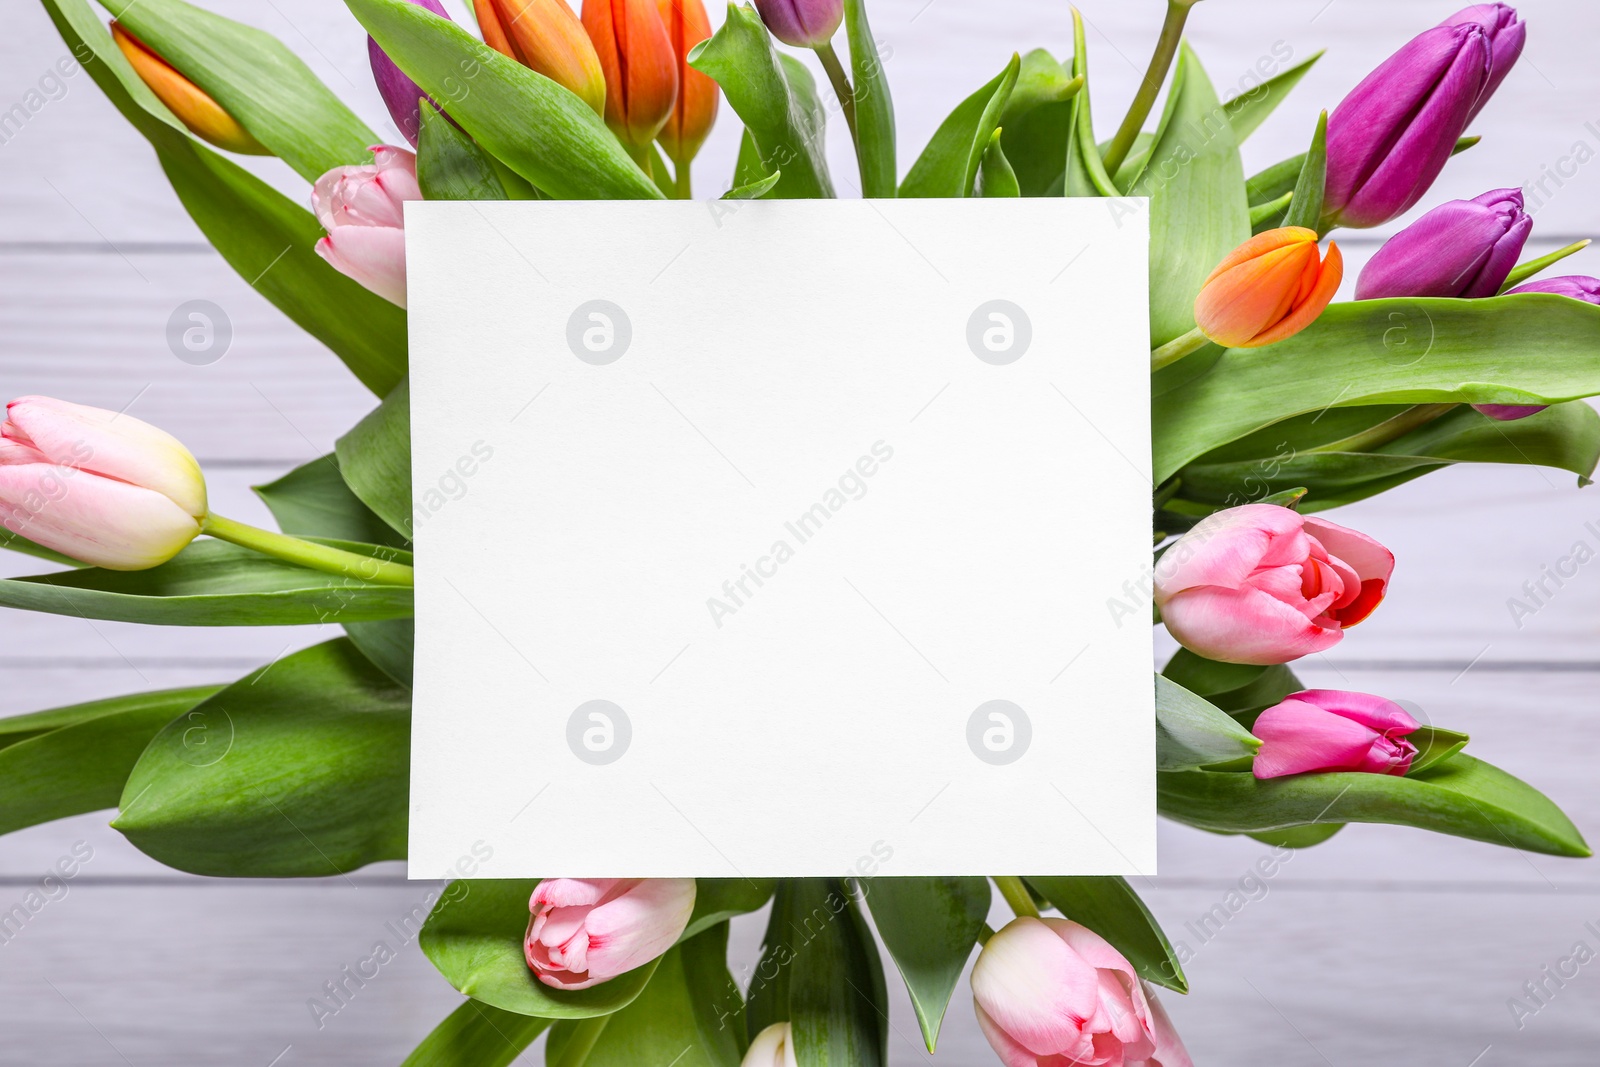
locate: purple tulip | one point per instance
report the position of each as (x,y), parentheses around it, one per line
(1465,248)
(400,94)
(1576,286)
(802,23)
(1389,139)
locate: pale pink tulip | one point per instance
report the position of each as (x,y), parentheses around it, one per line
(1263,584)
(96,485)
(772,1047)
(586,930)
(1334,730)
(360,207)
(1052,993)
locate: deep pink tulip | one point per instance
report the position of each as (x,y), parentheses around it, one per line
(96,485)
(1052,993)
(1575,286)
(1263,584)
(1463,248)
(802,23)
(1332,730)
(586,930)
(401,95)
(360,207)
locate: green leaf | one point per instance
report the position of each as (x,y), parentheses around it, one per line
(1523,271)
(17,543)
(477,1035)
(262,234)
(1305,205)
(1533,348)
(450,165)
(536,127)
(1192,732)
(1037,122)
(690,1014)
(298,770)
(1280,178)
(1232,687)
(929,926)
(661,172)
(995,176)
(1109,906)
(375,459)
(313,501)
(1299,836)
(390,644)
(1250,109)
(948,166)
(1198,212)
(1267,216)
(756,190)
(1461,796)
(256,79)
(716,900)
(874,105)
(1085,173)
(72,760)
(1434,745)
(776,99)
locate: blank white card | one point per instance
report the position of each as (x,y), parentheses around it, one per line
(781,538)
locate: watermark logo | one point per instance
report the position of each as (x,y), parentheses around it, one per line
(999,732)
(199,332)
(1406,336)
(207,736)
(599,332)
(599,732)
(999,332)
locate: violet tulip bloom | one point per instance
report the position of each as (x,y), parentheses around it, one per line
(1575,286)
(1051,992)
(587,930)
(1465,248)
(96,485)
(1263,584)
(1389,139)
(1333,730)
(400,94)
(802,23)
(361,208)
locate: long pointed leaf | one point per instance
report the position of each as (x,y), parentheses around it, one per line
(929,926)
(1109,906)
(948,166)
(1250,109)
(874,105)
(477,1035)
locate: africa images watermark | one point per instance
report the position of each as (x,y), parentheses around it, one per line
(1553,577)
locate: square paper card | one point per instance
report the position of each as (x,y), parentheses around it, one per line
(781,538)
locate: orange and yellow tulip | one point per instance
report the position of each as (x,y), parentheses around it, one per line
(204,117)
(690,124)
(640,66)
(545,36)
(1268,289)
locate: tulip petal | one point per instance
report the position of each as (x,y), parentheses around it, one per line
(1372,711)
(631,929)
(1169,1046)
(572,892)
(773,1047)
(1305,314)
(1297,737)
(1364,554)
(101,521)
(373,256)
(1035,989)
(1260,245)
(1243,626)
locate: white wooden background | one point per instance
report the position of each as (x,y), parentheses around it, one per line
(1383,945)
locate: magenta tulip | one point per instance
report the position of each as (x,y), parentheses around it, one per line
(97,485)
(1507,34)
(1332,730)
(401,95)
(586,930)
(802,23)
(1465,248)
(1575,286)
(360,207)
(1262,584)
(1051,993)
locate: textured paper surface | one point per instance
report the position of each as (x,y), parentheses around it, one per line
(782,538)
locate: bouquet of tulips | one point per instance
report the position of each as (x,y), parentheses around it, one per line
(1271,405)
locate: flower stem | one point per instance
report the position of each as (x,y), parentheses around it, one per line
(1145,98)
(584,1036)
(1016,895)
(683,180)
(309,554)
(1388,430)
(1177,348)
(841,88)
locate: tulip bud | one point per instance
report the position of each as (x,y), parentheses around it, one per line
(641,68)
(586,930)
(1332,730)
(1050,991)
(690,124)
(1268,289)
(360,207)
(96,485)
(1465,248)
(401,95)
(204,117)
(1263,584)
(772,1047)
(544,35)
(1389,139)
(802,23)
(1577,287)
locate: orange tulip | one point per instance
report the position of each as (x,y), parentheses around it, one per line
(545,36)
(687,129)
(640,65)
(195,109)
(1268,289)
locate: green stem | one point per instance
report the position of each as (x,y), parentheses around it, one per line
(682,180)
(584,1037)
(307,553)
(1016,895)
(841,88)
(1145,98)
(1391,429)
(1177,348)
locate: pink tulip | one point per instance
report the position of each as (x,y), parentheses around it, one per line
(772,1047)
(1262,584)
(360,207)
(1052,993)
(1332,730)
(98,486)
(586,930)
